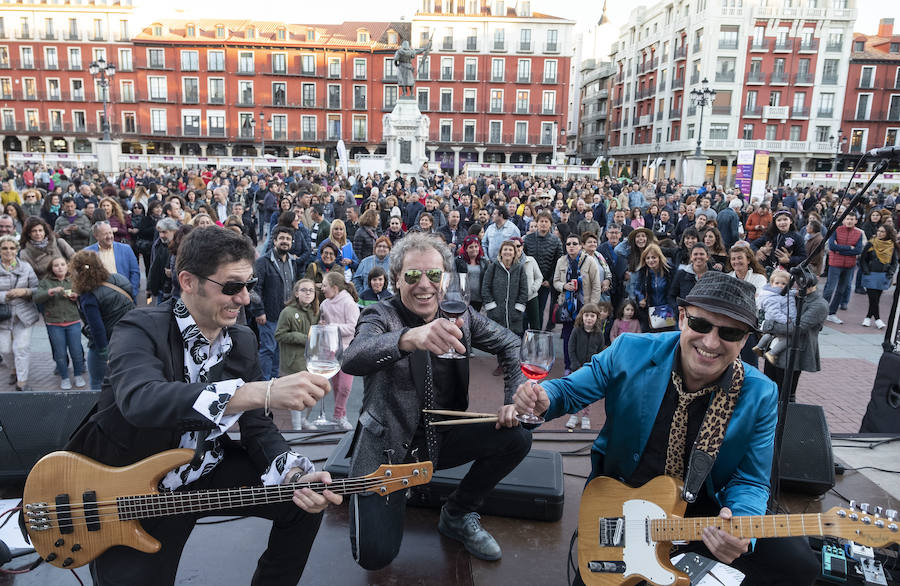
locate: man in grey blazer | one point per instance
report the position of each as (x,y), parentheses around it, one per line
(396,349)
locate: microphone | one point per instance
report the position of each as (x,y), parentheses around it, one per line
(884,152)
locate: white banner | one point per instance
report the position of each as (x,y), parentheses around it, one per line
(342,156)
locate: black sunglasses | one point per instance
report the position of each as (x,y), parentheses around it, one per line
(412,276)
(704,326)
(234,287)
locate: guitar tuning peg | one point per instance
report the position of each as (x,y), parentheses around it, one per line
(878,511)
(864,507)
(389,454)
(853,504)
(891,514)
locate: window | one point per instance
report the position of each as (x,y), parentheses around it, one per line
(548,102)
(390,96)
(215,60)
(446,130)
(858,140)
(129,122)
(6,88)
(525,39)
(308,95)
(308,64)
(775,99)
(472,40)
(718,130)
(79,121)
(245,92)
(523,73)
(158,124)
(334,67)
(799,102)
(49,33)
(126,90)
(359,97)
(830,71)
(471,73)
(499,39)
(499,8)
(552,41)
(859,46)
(771,132)
(216,88)
(447,68)
(496,132)
(190,60)
(360,128)
(834,40)
(468,131)
(158,89)
(125,63)
(867,77)
(447,42)
(423,69)
(446,100)
(190,30)
(251,32)
(333,126)
(863,106)
(190,90)
(422,99)
(497,101)
(390,69)
(215,123)
(245,62)
(497,69)
(521,133)
(550,71)
(77,87)
(53,89)
(246,123)
(308,127)
(362,37)
(156,58)
(698,40)
(334,96)
(522,101)
(220,31)
(826,105)
(759,36)
(27,58)
(281,33)
(75,58)
(279,63)
(32,121)
(469,97)
(51,60)
(894,109)
(279,93)
(822,133)
(190,123)
(728,37)
(279,127)
(546,133)
(359,69)
(890,137)
(747,133)
(795,132)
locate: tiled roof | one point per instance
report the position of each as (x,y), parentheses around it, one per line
(875,48)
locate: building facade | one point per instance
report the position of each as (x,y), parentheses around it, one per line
(594,92)
(779,72)
(872,109)
(495,83)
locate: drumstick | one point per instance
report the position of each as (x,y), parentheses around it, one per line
(492,419)
(457,413)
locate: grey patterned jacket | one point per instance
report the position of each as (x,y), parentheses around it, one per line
(394,383)
(20,276)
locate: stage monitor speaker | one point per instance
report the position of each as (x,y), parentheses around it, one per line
(806,462)
(883,412)
(34,424)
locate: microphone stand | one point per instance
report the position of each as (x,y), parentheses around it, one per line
(804,279)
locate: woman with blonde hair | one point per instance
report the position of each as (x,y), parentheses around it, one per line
(338,237)
(652,288)
(118,221)
(17,281)
(141,195)
(340,309)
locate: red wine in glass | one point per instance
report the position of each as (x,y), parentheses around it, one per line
(534,371)
(536,359)
(453,307)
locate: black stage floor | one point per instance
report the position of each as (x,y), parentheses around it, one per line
(533,552)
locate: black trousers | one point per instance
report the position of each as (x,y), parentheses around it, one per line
(376,523)
(291,538)
(777,376)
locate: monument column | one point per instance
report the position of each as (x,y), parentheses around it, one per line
(456,151)
(480,151)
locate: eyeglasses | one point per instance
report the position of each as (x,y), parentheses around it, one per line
(412,276)
(306,290)
(704,326)
(234,287)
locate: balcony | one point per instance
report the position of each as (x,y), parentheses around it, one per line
(809,46)
(728,44)
(833,47)
(525,47)
(246,102)
(359,75)
(752,111)
(498,46)
(308,135)
(215,132)
(216,100)
(829,113)
(800,112)
(24,34)
(550,80)
(523,109)
(468,106)
(548,111)
(551,48)
(48,36)
(497,78)
(247,133)
(779,77)
(678,83)
(759,46)
(681,53)
(695,78)
(725,76)
(447,44)
(830,79)
(98,38)
(189,130)
(188,98)
(6,96)
(721,110)
(471,44)
(359,104)
(675,114)
(73,35)
(523,79)
(784,45)
(804,79)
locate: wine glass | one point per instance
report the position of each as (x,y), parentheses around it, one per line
(536,358)
(323,357)
(454,302)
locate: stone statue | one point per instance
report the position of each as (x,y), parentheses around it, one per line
(403,60)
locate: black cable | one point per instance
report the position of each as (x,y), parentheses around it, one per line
(220,521)
(834,490)
(873,468)
(570,565)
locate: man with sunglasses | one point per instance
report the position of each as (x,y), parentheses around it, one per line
(182,373)
(664,391)
(398,348)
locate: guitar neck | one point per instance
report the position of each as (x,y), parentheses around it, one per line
(202,501)
(753,526)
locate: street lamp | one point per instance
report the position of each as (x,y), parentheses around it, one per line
(701,97)
(263,124)
(841,140)
(104,71)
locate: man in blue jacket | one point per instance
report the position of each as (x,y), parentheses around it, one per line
(663,392)
(116,257)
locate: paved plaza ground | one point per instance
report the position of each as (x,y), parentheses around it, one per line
(849,352)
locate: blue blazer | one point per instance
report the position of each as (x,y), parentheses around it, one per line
(632,375)
(126,265)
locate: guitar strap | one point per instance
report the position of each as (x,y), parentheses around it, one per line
(712,433)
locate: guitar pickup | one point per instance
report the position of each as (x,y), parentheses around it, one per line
(91,516)
(606,567)
(63,514)
(612,532)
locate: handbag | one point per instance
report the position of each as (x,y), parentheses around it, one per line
(5,311)
(878,281)
(661,316)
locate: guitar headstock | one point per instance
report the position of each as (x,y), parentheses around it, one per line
(863,524)
(394,477)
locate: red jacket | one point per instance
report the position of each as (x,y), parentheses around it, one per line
(844,236)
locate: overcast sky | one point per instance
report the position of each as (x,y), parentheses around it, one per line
(585,12)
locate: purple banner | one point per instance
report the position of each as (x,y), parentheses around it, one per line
(743,178)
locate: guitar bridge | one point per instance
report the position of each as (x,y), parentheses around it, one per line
(612,532)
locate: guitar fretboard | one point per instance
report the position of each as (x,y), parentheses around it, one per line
(753,526)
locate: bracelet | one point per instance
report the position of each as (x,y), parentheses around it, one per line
(269,396)
(295,477)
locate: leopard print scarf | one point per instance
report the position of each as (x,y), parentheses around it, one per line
(715,421)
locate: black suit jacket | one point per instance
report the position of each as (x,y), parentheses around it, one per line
(144,407)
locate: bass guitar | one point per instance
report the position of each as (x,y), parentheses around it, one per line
(75,508)
(625,534)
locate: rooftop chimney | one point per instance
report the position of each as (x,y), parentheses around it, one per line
(886,27)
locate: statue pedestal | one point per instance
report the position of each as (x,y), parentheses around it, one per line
(694,171)
(405,130)
(108,156)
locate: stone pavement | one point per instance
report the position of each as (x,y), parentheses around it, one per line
(849,352)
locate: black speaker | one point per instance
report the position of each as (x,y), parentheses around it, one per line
(883,412)
(34,424)
(806,463)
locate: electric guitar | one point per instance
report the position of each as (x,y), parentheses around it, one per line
(625,534)
(75,508)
